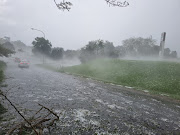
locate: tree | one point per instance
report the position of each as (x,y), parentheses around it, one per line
(167,52)
(98,49)
(69,54)
(109,49)
(139,46)
(57,53)
(66,5)
(19,45)
(5,52)
(121,50)
(9,46)
(173,54)
(41,45)
(5,39)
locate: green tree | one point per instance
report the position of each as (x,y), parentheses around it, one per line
(173,54)
(9,46)
(167,52)
(57,53)
(5,52)
(41,45)
(98,49)
(69,54)
(140,46)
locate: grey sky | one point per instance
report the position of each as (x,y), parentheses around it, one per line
(90,20)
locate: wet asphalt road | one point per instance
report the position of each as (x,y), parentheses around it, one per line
(87,106)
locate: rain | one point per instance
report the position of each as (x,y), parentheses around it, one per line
(87,67)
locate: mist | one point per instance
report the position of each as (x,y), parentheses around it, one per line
(83,24)
(89,67)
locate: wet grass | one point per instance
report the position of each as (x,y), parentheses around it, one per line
(156,76)
(2,67)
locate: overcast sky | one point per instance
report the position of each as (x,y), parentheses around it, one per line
(90,20)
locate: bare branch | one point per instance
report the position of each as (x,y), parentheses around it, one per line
(66,5)
(18,112)
(34,123)
(50,111)
(116,3)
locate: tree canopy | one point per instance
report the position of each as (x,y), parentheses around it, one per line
(57,53)
(41,45)
(5,52)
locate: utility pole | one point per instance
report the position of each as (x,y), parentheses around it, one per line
(162,44)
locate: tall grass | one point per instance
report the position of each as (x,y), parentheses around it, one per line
(157,76)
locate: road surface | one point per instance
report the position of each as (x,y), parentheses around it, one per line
(87,106)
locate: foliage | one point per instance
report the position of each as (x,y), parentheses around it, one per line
(173,54)
(159,77)
(97,49)
(140,46)
(57,53)
(4,40)
(132,47)
(8,45)
(69,54)
(2,67)
(18,45)
(41,45)
(5,52)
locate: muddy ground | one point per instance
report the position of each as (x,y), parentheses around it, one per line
(87,106)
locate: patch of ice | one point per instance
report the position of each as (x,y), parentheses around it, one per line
(147,112)
(112,83)
(128,87)
(128,101)
(94,122)
(155,100)
(80,115)
(147,91)
(165,95)
(29,95)
(82,99)
(57,111)
(113,106)
(99,100)
(69,99)
(106,133)
(164,119)
(36,100)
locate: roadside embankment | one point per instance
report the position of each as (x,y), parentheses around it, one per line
(157,77)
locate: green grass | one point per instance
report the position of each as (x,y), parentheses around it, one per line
(2,67)
(156,76)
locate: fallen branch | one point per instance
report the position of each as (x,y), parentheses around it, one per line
(34,123)
(19,112)
(50,111)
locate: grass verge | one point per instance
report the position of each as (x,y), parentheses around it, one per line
(2,67)
(156,76)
